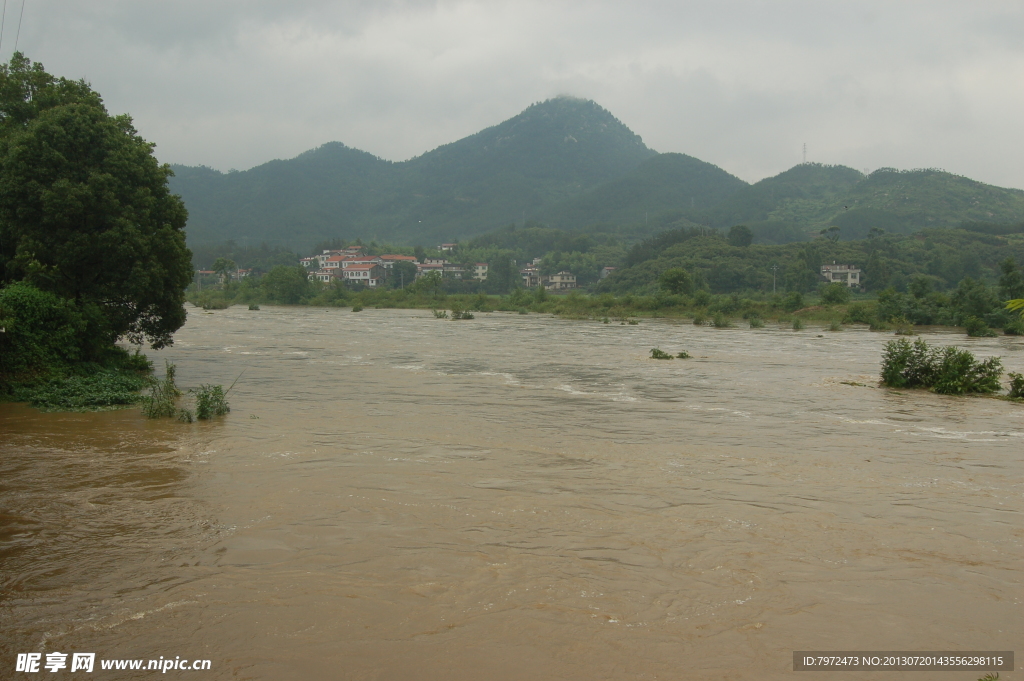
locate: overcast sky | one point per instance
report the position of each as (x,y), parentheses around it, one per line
(741,84)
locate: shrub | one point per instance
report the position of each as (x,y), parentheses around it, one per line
(756,322)
(859,313)
(1015,327)
(835,325)
(683,354)
(359,308)
(949,370)
(903,326)
(835,294)
(211,400)
(160,403)
(798,324)
(43,332)
(977,328)
(793,301)
(659,354)
(721,321)
(81,393)
(253,306)
(1016,385)
(700,318)
(440,314)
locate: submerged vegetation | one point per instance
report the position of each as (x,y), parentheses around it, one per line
(207,400)
(947,371)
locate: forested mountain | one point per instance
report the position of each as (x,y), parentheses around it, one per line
(552,150)
(797,204)
(568,164)
(674,184)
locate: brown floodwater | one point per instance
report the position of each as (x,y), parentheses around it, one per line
(395,496)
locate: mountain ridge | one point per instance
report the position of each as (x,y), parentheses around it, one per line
(570,163)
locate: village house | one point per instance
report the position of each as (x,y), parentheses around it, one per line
(425,268)
(844,274)
(531,277)
(447,247)
(349,261)
(606,271)
(369,274)
(480,271)
(562,280)
(388,261)
(453,271)
(310,262)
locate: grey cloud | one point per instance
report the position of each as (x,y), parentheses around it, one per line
(741,84)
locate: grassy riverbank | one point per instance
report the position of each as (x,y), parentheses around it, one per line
(701,307)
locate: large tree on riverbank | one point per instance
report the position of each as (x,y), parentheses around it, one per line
(85,211)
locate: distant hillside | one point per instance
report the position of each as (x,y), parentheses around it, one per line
(667,183)
(569,164)
(798,203)
(552,150)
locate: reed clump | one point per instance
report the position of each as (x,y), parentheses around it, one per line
(163,395)
(798,324)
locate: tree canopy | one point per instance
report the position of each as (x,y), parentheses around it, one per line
(85,211)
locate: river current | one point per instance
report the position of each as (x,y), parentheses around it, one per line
(395,496)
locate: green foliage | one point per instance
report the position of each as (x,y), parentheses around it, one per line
(254,306)
(793,301)
(835,293)
(903,326)
(1016,385)
(676,281)
(798,324)
(721,321)
(44,333)
(1015,327)
(683,354)
(459,312)
(700,317)
(977,328)
(211,400)
(659,354)
(835,325)
(740,236)
(756,322)
(286,285)
(440,314)
(160,403)
(85,212)
(948,371)
(102,389)
(359,308)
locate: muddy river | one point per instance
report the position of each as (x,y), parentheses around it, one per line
(395,496)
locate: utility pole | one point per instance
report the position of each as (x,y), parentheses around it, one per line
(775,269)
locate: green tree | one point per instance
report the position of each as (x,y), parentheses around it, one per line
(85,212)
(676,280)
(1011,284)
(224,266)
(831,233)
(740,235)
(402,274)
(288,285)
(835,293)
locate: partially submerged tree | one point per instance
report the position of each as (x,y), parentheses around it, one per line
(85,212)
